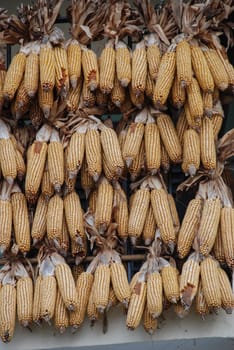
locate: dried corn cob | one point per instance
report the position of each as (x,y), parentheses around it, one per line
(149,323)
(154,294)
(178,93)
(169,137)
(36,314)
(107,68)
(189,280)
(227,234)
(75,152)
(133,142)
(73,97)
(61,70)
(39,221)
(226,291)
(48,292)
(14,75)
(74,217)
(165,160)
(88,96)
(174,213)
(90,69)
(117,93)
(74,62)
(164,82)
(152,146)
(35,114)
(54,219)
(6,215)
(218,248)
(61,318)
(46,100)
(87,181)
(208,151)
(184,63)
(139,68)
(149,229)
(201,70)
(93,201)
(123,63)
(191,152)
(93,153)
(119,282)
(149,88)
(20,165)
(22,101)
(121,212)
(56,161)
(153,55)
(195,102)
(31,75)
(47,67)
(47,189)
(136,100)
(217,68)
(137,164)
(209,225)
(24,289)
(20,220)
(7,311)
(92,312)
(189,227)
(171,283)
(210,283)
(104,205)
(181,126)
(201,304)
(101,286)
(138,213)
(207,104)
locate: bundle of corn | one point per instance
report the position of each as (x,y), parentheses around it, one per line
(16,295)
(151,197)
(110,277)
(155,277)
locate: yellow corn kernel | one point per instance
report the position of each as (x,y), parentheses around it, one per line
(90,69)
(217,68)
(14,75)
(31,76)
(191,152)
(107,69)
(139,69)
(75,153)
(195,102)
(47,67)
(74,62)
(184,63)
(201,70)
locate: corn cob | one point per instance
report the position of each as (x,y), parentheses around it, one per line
(104,205)
(149,323)
(137,304)
(181,126)
(24,289)
(164,82)
(191,152)
(149,229)
(77,271)
(138,213)
(79,251)
(112,300)
(184,63)
(56,161)
(121,212)
(152,147)
(93,201)
(87,182)
(119,282)
(153,56)
(210,283)
(8,159)
(108,172)
(207,104)
(40,220)
(73,97)
(201,70)
(139,69)
(189,227)
(7,312)
(133,142)
(54,219)
(171,283)
(178,93)
(154,294)
(65,239)
(88,96)
(117,93)
(189,280)
(149,88)
(74,62)
(21,221)
(20,165)
(48,293)
(66,285)
(47,67)
(14,75)
(209,225)
(169,137)
(31,75)
(163,217)
(75,152)
(226,291)
(107,68)
(227,234)
(61,318)
(93,153)
(92,312)
(61,70)
(36,312)
(123,63)
(195,102)
(90,69)
(35,114)
(6,215)
(201,304)
(46,100)
(101,286)
(208,151)
(174,213)
(218,248)
(83,287)
(47,189)
(35,167)
(165,160)
(192,122)
(217,68)
(74,217)
(217,122)
(22,101)
(111,149)
(137,164)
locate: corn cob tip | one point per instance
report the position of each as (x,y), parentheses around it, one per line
(57,188)
(74,82)
(2,249)
(46,111)
(61,329)
(124,82)
(9,180)
(128,162)
(148,241)
(192,170)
